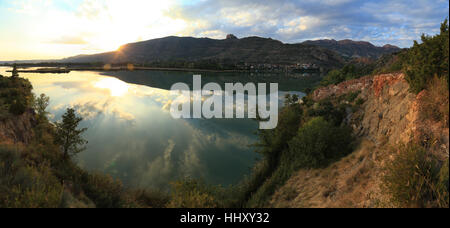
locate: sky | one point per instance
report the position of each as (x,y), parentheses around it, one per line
(52,29)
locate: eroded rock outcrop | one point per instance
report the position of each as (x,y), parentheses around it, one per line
(18,129)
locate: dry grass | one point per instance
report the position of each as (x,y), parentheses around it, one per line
(435,102)
(352,182)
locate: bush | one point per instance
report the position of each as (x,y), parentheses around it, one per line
(15,95)
(318,143)
(359,102)
(350,97)
(103,190)
(348,72)
(328,111)
(415,178)
(192,194)
(18,106)
(428,59)
(26,186)
(333,77)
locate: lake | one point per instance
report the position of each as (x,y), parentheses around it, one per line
(133,137)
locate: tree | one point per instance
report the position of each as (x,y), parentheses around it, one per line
(14,71)
(68,136)
(428,59)
(40,105)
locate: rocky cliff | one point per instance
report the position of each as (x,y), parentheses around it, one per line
(388,117)
(18,129)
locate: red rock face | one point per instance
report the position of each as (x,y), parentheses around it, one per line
(377,83)
(380,81)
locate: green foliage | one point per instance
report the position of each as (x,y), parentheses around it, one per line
(328,111)
(271,145)
(416,178)
(348,72)
(192,194)
(68,135)
(428,59)
(272,142)
(307,136)
(40,105)
(350,97)
(359,101)
(26,186)
(18,106)
(15,96)
(103,190)
(318,143)
(333,77)
(290,99)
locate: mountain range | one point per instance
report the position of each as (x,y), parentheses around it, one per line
(255,50)
(355,49)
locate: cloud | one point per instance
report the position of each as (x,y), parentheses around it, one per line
(105,25)
(70,40)
(397,22)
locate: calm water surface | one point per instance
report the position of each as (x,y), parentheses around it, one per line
(133,137)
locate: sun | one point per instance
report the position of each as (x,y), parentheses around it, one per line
(116,87)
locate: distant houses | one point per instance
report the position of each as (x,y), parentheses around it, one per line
(279,68)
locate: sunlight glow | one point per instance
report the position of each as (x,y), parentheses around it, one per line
(116,87)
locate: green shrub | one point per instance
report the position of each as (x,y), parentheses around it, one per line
(18,106)
(416,178)
(333,77)
(26,186)
(350,97)
(15,95)
(328,111)
(348,72)
(359,102)
(103,190)
(318,143)
(192,194)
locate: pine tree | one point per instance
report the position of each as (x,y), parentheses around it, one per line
(68,136)
(40,105)
(14,71)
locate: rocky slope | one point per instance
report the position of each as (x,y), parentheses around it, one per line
(388,117)
(18,129)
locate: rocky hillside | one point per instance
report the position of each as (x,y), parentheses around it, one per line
(355,49)
(388,116)
(18,129)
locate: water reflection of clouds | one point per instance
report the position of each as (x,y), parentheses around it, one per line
(194,155)
(133,137)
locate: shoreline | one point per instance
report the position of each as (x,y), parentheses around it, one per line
(139,68)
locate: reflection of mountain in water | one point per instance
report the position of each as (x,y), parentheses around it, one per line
(165,80)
